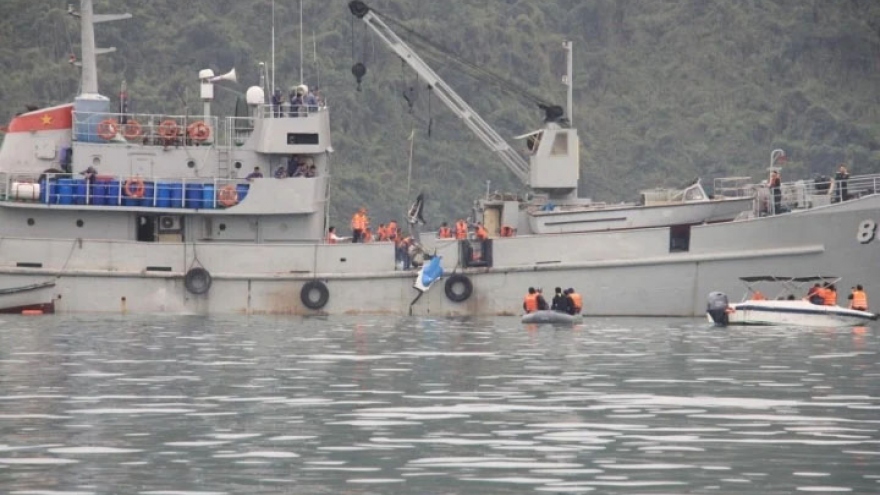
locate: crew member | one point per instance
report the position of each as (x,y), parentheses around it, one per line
(859,299)
(461,230)
(381,233)
(816,295)
(775,190)
(391,231)
(560,302)
(830,295)
(840,178)
(256,174)
(332,238)
(358,224)
(445,232)
(577,302)
(530,302)
(542,303)
(481,233)
(758,296)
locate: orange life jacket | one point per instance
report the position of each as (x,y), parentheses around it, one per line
(357,221)
(531,303)
(578,301)
(830,297)
(445,233)
(860,300)
(481,233)
(758,296)
(461,230)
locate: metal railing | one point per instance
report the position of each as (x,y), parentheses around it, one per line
(145,129)
(106,190)
(811,193)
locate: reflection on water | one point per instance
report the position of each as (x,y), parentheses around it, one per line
(383,406)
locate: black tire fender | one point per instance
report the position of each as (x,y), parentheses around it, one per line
(458,287)
(309,289)
(197,280)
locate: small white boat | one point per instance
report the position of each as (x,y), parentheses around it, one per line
(785,309)
(551,316)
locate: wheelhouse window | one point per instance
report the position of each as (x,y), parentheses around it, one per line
(560,145)
(301,138)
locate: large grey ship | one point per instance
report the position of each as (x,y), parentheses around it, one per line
(118,212)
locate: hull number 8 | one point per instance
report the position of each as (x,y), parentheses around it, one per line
(867,231)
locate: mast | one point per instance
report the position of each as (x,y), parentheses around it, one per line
(88,19)
(89,62)
(301,59)
(272,89)
(569,82)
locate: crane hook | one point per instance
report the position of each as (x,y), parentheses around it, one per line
(359,70)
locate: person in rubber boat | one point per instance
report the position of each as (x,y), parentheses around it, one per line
(560,301)
(534,301)
(575,301)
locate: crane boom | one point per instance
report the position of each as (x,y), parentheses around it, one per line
(516,163)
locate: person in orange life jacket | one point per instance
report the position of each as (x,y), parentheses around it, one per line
(481,232)
(402,251)
(813,294)
(831,295)
(542,303)
(575,300)
(445,232)
(775,184)
(359,222)
(461,230)
(758,296)
(859,299)
(530,302)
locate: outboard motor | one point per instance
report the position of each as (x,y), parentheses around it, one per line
(716,306)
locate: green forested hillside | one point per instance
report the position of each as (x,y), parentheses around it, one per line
(664,90)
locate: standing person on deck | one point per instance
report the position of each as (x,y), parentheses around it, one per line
(359,222)
(461,230)
(775,184)
(445,232)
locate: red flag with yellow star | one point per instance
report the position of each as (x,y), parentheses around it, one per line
(44,119)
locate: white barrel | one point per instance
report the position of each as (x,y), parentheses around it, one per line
(25,190)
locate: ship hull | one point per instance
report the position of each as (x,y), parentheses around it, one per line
(620,273)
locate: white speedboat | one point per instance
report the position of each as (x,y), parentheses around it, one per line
(551,316)
(785,309)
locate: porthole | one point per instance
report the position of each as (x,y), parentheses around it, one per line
(80,223)
(237,165)
(222,227)
(96,160)
(191,163)
(30,221)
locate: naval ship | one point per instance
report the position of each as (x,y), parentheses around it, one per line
(119,212)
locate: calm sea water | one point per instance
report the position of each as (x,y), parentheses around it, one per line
(380,405)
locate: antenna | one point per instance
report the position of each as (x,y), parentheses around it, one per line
(301,60)
(273,47)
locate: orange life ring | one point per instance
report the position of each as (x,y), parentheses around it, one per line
(132,129)
(107,129)
(134,187)
(228,195)
(198,131)
(168,129)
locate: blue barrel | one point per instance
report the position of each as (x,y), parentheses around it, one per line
(44,191)
(208,196)
(99,193)
(80,187)
(149,191)
(164,195)
(242,190)
(65,191)
(193,196)
(112,197)
(176,194)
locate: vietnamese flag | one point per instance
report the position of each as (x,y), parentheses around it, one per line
(45,119)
